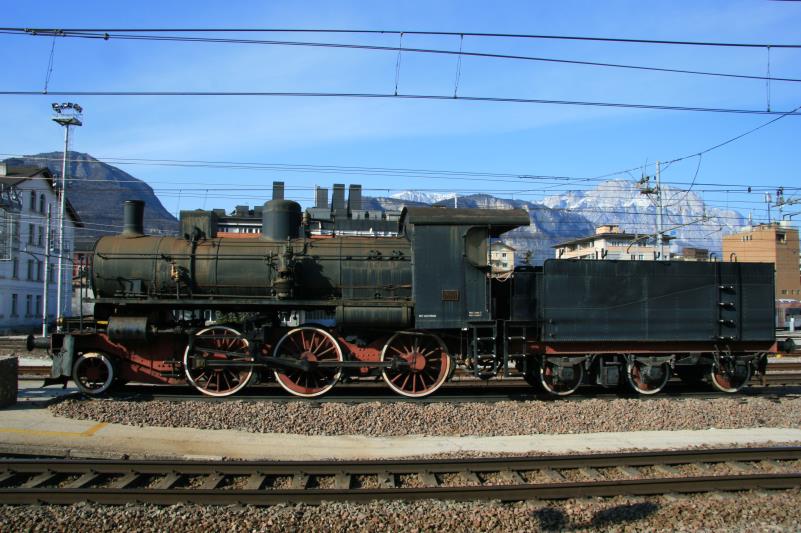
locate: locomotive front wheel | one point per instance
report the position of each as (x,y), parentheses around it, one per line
(93,373)
(560,381)
(729,377)
(645,379)
(218,343)
(422,364)
(309,344)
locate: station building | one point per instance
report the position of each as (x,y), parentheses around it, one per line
(775,243)
(25,194)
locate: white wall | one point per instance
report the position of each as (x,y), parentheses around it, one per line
(29,292)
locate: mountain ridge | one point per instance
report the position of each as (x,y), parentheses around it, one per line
(90,180)
(555,219)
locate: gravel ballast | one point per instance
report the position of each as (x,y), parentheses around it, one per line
(775,511)
(444,419)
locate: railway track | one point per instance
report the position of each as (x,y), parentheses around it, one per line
(454,393)
(26,481)
(778,370)
(465,390)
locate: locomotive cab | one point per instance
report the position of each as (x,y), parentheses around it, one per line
(450,262)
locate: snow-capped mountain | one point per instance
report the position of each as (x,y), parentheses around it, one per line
(423,197)
(686,216)
(576,213)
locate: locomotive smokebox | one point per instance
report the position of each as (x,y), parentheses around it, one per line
(280,220)
(133,218)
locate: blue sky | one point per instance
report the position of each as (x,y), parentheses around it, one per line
(446,135)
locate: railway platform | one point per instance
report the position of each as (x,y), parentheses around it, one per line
(29,427)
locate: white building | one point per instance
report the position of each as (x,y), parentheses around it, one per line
(25,194)
(610,242)
(501,257)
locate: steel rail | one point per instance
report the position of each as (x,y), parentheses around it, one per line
(646,487)
(777,372)
(33,476)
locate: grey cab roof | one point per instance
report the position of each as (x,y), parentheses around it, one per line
(500,220)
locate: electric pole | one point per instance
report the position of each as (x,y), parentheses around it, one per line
(645,188)
(659,222)
(45,289)
(66,114)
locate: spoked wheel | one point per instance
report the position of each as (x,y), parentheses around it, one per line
(560,381)
(223,344)
(727,376)
(313,345)
(647,379)
(423,364)
(93,373)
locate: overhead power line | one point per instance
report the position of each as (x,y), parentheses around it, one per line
(495,99)
(396,49)
(622,40)
(361,171)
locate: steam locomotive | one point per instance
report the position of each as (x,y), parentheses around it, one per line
(342,293)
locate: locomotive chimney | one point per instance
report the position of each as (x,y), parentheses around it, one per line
(133,218)
(280,219)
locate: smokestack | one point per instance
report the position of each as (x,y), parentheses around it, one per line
(338,198)
(355,198)
(133,218)
(321,196)
(278,190)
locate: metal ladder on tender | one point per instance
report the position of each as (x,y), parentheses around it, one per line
(483,348)
(728,306)
(514,344)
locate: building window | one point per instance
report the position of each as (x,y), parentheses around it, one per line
(15,268)
(28,304)
(30,270)
(38,304)
(31,233)
(13,305)
(42,203)
(33,200)
(40,236)
(781,238)
(38,270)
(50,271)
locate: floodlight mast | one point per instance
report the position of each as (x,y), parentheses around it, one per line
(66,114)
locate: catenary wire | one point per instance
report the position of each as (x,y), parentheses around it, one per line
(390,96)
(397,49)
(624,40)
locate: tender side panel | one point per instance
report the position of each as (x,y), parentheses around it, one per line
(758,309)
(654,301)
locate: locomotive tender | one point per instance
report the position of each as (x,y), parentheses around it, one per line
(343,294)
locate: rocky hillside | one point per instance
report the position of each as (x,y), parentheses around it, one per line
(97,191)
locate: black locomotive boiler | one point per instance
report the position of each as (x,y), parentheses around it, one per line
(340,293)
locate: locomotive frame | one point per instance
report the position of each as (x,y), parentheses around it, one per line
(342,294)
